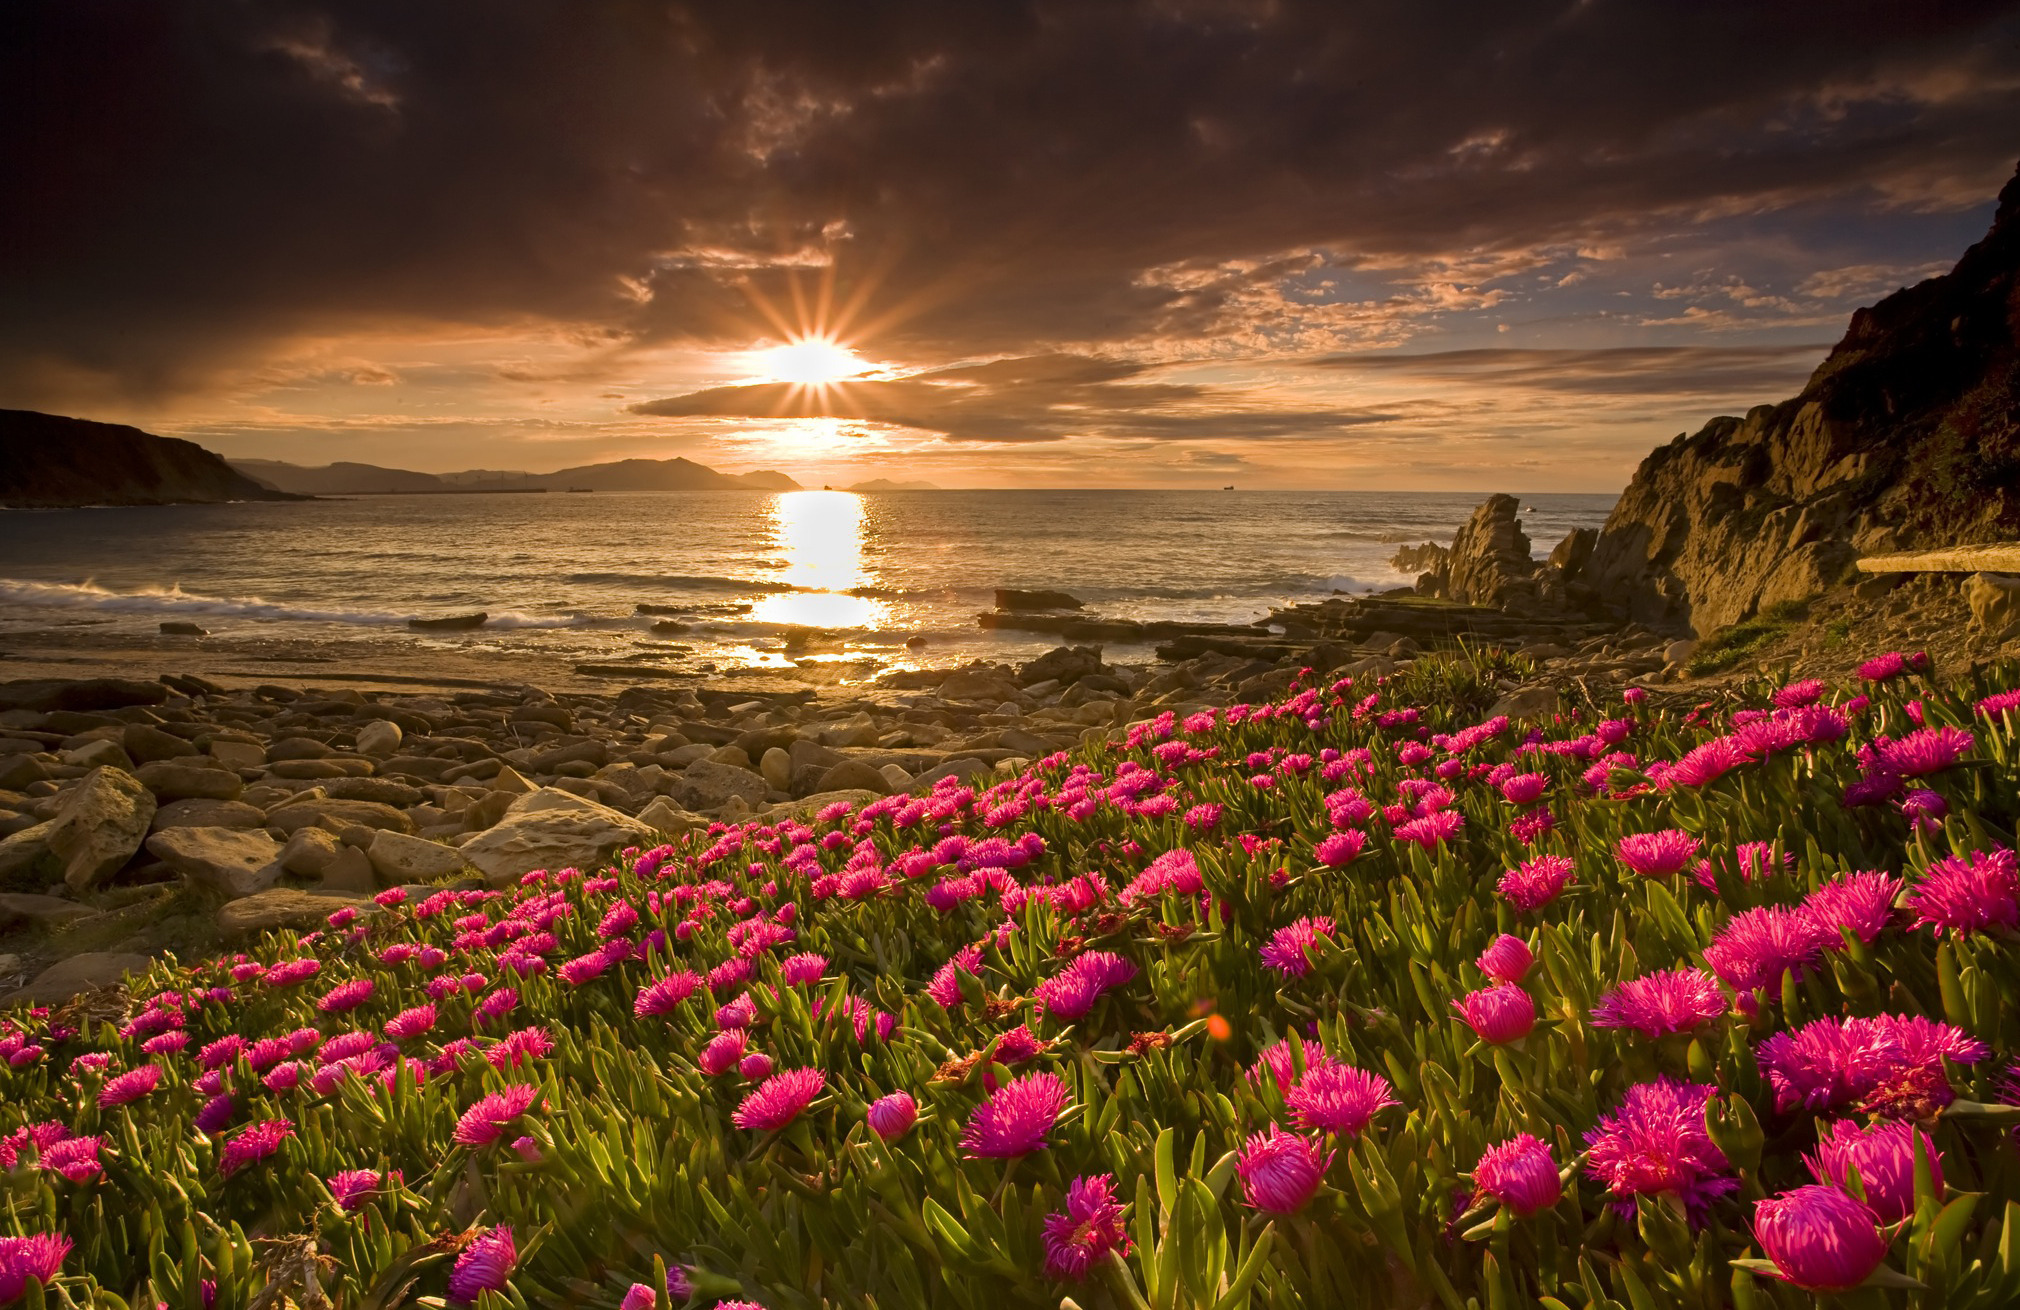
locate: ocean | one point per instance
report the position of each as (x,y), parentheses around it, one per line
(563,575)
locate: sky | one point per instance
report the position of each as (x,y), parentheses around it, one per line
(1161,243)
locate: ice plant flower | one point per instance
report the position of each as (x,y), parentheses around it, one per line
(1862,902)
(1656,1144)
(1289,948)
(891,1117)
(484,1265)
(779,1100)
(1072,992)
(39,1257)
(1924,751)
(486,1121)
(1884,1156)
(1963,896)
(255,1143)
(1280,1172)
(1658,1004)
(351,1187)
(1498,1015)
(1086,1230)
(1820,1239)
(1337,1098)
(1657,854)
(1536,882)
(129,1086)
(1507,959)
(1519,1173)
(1756,946)
(1016,1117)
(1340,849)
(1888,1065)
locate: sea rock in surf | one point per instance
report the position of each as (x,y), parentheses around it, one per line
(179,628)
(1010,599)
(450,623)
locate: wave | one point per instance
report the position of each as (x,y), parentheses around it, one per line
(685,582)
(174,600)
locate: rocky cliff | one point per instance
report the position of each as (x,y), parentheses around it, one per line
(51,462)
(1907,435)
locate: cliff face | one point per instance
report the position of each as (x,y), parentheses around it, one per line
(1907,435)
(51,462)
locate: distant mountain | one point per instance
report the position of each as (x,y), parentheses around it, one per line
(886,484)
(48,461)
(345,479)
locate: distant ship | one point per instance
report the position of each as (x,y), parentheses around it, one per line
(581,490)
(1228,487)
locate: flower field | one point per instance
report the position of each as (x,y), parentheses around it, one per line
(1360,999)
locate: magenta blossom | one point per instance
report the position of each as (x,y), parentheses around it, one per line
(1672,1001)
(1499,1014)
(256,1143)
(1820,1239)
(1340,849)
(1289,948)
(1086,1230)
(1887,1065)
(1507,959)
(129,1086)
(1281,1171)
(1536,882)
(22,1258)
(484,1265)
(1072,992)
(891,1117)
(486,1121)
(1862,902)
(1756,946)
(351,1188)
(1924,751)
(1016,1117)
(1431,829)
(1657,854)
(1884,1156)
(1337,1098)
(1525,788)
(1656,1144)
(1963,896)
(779,1100)
(1519,1173)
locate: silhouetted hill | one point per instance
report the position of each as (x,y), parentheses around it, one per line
(344,479)
(48,461)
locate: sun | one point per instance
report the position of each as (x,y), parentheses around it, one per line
(811,361)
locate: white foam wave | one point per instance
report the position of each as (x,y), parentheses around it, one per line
(175,601)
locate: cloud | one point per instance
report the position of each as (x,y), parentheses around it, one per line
(1029,399)
(1717,371)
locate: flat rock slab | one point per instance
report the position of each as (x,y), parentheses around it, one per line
(17,908)
(284,907)
(1998,557)
(552,829)
(79,973)
(233,861)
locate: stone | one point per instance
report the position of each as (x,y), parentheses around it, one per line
(296,748)
(550,829)
(1569,556)
(200,813)
(379,738)
(1877,585)
(1490,556)
(318,770)
(147,743)
(83,696)
(400,858)
(706,785)
(853,775)
(1011,599)
(19,909)
(510,780)
(964,768)
(733,756)
(102,823)
(310,852)
(777,768)
(857,729)
(978,684)
(2001,557)
(80,973)
(319,810)
(1535,701)
(1994,600)
(175,780)
(103,753)
(182,628)
(807,806)
(664,816)
(1062,664)
(895,778)
(230,861)
(18,770)
(284,907)
(25,854)
(385,791)
(351,871)
(1679,652)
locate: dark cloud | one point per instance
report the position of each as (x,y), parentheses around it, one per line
(1039,398)
(1766,371)
(189,182)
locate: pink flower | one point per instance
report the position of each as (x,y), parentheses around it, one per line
(518,1047)
(806,967)
(22,1258)
(411,1022)
(1289,948)
(1507,959)
(40,1136)
(663,996)
(1884,1155)
(352,1186)
(1525,788)
(1968,896)
(129,1086)
(1892,665)
(1016,1117)
(1498,1015)
(723,1051)
(1432,829)
(891,1117)
(75,1158)
(1926,751)
(1820,1239)
(1798,694)
(1704,765)
(1862,902)
(1086,1230)
(1519,1173)
(1337,1098)
(779,1100)
(1281,1171)
(1072,992)
(215,1115)
(1888,1065)
(1658,1004)
(754,1066)
(642,1296)
(1656,1144)
(1657,854)
(256,1143)
(1340,849)
(484,1265)
(1756,946)
(945,987)
(1536,882)
(486,1121)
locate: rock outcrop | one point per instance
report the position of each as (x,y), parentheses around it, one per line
(1907,435)
(51,462)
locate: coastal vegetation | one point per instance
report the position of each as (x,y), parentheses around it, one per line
(1360,996)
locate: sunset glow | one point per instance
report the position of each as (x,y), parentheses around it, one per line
(810,362)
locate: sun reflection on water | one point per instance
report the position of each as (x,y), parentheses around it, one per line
(820,534)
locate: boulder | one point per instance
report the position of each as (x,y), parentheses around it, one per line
(296,748)
(102,823)
(1995,601)
(196,813)
(383,790)
(80,973)
(24,856)
(310,852)
(146,744)
(379,738)
(1568,557)
(18,909)
(83,696)
(1010,599)
(176,780)
(1536,701)
(18,770)
(229,861)
(319,810)
(1489,560)
(551,829)
(1062,664)
(103,753)
(509,779)
(707,785)
(854,775)
(978,683)
(895,778)
(400,858)
(284,907)
(777,769)
(320,769)
(664,816)
(351,871)
(238,754)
